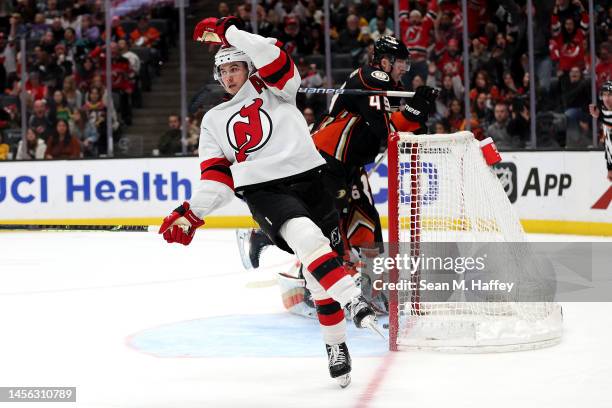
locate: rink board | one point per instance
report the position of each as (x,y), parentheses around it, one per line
(559,192)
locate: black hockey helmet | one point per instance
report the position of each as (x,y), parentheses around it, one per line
(606,87)
(390,47)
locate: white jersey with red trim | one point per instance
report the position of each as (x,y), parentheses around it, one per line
(259,135)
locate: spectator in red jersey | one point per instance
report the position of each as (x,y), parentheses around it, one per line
(567,45)
(35,88)
(449,63)
(415,32)
(603,68)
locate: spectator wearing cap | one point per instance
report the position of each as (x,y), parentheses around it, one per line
(450,63)
(63,60)
(294,42)
(480,56)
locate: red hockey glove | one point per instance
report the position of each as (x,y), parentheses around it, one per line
(212,30)
(181,225)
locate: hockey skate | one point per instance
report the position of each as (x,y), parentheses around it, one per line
(339,362)
(251,244)
(363,315)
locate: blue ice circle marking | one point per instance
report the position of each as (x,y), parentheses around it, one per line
(266,335)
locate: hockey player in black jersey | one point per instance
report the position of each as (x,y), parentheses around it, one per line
(257,145)
(351,135)
(603,110)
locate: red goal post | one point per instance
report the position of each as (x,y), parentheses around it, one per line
(441,190)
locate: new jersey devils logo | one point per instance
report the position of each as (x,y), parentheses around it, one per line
(248,136)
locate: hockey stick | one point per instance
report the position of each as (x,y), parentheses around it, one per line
(66,227)
(377,163)
(339,91)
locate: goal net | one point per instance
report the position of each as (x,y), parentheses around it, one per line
(445,203)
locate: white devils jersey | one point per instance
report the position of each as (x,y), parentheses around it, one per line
(260,134)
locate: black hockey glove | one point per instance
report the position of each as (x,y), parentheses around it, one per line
(421,105)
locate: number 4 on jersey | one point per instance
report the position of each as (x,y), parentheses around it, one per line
(375,102)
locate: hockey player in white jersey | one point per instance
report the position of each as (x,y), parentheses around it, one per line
(257,146)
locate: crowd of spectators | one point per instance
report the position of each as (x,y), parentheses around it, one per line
(498,60)
(65,76)
(66,55)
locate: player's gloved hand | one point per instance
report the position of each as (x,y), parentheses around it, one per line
(212,30)
(428,93)
(181,225)
(421,105)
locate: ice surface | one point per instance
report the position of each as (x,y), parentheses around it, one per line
(134,322)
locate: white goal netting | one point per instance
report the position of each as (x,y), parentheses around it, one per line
(445,202)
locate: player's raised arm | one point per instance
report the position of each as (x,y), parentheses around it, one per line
(274,65)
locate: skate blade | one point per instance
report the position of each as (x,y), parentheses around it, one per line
(344,380)
(242,238)
(371,324)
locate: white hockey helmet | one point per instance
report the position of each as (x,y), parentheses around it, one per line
(230,54)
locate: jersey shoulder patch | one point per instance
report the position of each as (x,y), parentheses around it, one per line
(380,75)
